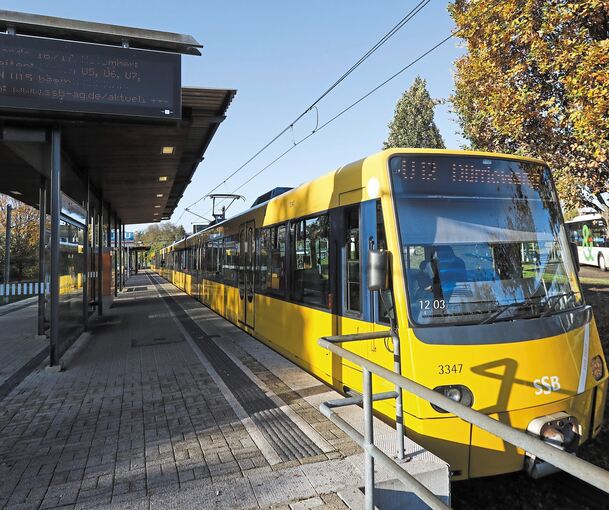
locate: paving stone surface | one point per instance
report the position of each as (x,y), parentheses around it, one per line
(18,337)
(137,422)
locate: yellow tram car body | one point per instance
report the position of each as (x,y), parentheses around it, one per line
(518,365)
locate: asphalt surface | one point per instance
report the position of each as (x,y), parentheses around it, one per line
(593,272)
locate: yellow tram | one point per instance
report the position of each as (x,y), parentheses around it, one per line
(484,292)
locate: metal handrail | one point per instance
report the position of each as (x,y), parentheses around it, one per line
(567,462)
(370,449)
(397,367)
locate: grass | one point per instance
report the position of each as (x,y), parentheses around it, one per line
(594,281)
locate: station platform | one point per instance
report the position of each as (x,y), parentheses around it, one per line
(21,347)
(163,404)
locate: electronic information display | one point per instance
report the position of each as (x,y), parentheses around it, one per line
(65,76)
(456,175)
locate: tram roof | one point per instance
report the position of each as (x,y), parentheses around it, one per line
(387,153)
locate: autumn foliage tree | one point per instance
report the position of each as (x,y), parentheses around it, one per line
(535,81)
(413,122)
(24,239)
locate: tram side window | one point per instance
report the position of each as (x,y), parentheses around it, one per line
(310,261)
(231,260)
(262,251)
(217,256)
(352,261)
(208,258)
(271,260)
(385,309)
(278,252)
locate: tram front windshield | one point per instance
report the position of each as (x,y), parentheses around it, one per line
(482,240)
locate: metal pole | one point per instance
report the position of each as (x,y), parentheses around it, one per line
(122,256)
(86,265)
(399,412)
(100,247)
(422,492)
(109,244)
(42,209)
(7,252)
(93,258)
(119,257)
(368,441)
(115,256)
(55,212)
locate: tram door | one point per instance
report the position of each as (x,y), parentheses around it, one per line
(247,258)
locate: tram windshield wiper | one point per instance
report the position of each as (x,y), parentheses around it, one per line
(553,300)
(550,304)
(500,311)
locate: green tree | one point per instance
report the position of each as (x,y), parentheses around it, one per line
(159,235)
(413,122)
(535,81)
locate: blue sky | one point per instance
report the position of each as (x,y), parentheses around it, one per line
(280,55)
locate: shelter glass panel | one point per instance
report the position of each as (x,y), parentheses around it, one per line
(71,295)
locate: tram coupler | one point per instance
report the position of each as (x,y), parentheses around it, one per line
(559,430)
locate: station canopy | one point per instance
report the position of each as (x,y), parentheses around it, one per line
(141,166)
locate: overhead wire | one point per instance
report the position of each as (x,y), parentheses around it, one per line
(409,16)
(369,93)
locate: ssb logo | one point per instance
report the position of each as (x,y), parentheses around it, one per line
(546,384)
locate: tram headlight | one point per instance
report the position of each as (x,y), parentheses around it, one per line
(456,392)
(597,368)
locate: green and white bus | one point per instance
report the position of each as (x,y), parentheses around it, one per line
(589,232)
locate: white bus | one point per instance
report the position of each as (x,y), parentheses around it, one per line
(589,232)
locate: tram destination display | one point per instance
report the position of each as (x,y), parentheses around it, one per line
(65,76)
(490,176)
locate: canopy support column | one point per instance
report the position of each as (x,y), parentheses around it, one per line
(55,225)
(87,265)
(42,208)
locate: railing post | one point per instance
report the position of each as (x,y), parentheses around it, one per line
(399,412)
(368,442)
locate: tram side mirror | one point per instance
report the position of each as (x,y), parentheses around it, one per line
(575,255)
(378,270)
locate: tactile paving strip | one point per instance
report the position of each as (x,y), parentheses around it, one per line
(283,435)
